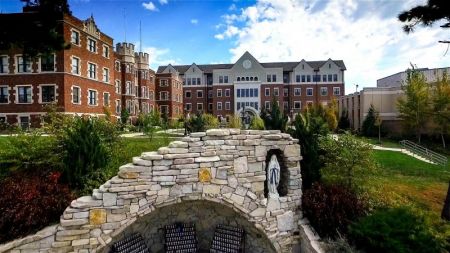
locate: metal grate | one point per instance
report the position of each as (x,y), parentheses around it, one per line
(180,238)
(228,239)
(131,244)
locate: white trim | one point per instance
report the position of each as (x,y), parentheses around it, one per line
(118,102)
(71,65)
(87,44)
(88,97)
(109,99)
(325,89)
(312,93)
(227,104)
(339,91)
(96,71)
(79,37)
(7,64)
(79,95)
(203,95)
(8,88)
(266,90)
(202,107)
(40,93)
(217,93)
(17,94)
(300,93)
(103,75)
(16,65)
(103,51)
(293,106)
(278,91)
(219,103)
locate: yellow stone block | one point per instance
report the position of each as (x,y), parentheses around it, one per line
(97,216)
(204,175)
(128,175)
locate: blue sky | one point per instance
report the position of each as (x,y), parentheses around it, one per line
(365,34)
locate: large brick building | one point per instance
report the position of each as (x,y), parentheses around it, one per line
(225,89)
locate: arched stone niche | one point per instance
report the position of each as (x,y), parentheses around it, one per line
(206,215)
(283,187)
(225,166)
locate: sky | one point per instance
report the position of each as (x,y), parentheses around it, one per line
(365,34)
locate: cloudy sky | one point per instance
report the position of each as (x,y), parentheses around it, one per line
(365,34)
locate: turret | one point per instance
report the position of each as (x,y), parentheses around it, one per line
(142,60)
(126,51)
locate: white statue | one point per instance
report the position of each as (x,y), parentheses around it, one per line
(273,177)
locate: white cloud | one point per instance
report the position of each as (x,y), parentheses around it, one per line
(232,7)
(159,56)
(163,2)
(150,6)
(365,34)
(194,21)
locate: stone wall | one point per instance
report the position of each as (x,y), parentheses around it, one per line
(224,166)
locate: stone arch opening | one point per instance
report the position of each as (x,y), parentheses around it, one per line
(205,215)
(283,186)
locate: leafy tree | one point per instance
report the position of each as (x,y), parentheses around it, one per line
(426,15)
(257,123)
(446,210)
(150,123)
(344,121)
(441,106)
(308,127)
(331,112)
(40,28)
(369,127)
(346,159)
(124,116)
(273,119)
(414,108)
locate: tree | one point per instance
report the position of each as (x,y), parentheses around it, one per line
(38,31)
(441,106)
(346,159)
(257,123)
(331,112)
(426,15)
(368,127)
(150,123)
(308,127)
(414,108)
(273,119)
(124,115)
(446,210)
(344,122)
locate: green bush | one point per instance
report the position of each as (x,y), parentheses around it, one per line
(211,121)
(257,123)
(235,121)
(202,122)
(396,230)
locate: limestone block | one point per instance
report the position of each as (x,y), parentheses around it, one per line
(222,173)
(163,178)
(227,147)
(235,131)
(273,204)
(217,132)
(85,201)
(97,216)
(178,150)
(116,217)
(292,151)
(141,162)
(272,136)
(80,242)
(285,221)
(178,144)
(207,159)
(253,167)
(258,212)
(195,144)
(151,156)
(80,215)
(253,142)
(166,173)
(134,208)
(233,182)
(260,151)
(198,134)
(184,161)
(239,137)
(240,165)
(209,153)
(214,142)
(128,175)
(237,199)
(193,171)
(162,163)
(164,150)
(211,189)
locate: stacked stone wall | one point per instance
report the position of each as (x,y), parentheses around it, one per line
(224,166)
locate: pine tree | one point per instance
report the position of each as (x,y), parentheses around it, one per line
(344,121)
(369,127)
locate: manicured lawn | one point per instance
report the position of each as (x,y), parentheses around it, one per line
(387,143)
(404,180)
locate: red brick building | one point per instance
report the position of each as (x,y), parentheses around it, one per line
(226,89)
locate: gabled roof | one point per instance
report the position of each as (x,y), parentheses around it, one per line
(287,66)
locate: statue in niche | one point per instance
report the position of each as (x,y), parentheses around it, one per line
(273,177)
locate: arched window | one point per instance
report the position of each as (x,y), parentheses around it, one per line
(251,78)
(238,79)
(256,78)
(247,78)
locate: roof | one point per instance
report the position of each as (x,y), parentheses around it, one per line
(287,66)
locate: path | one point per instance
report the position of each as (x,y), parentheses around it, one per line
(404,151)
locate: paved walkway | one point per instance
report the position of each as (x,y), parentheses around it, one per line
(404,151)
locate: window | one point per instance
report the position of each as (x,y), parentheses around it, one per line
(106,99)
(24,122)
(92,97)
(329,78)
(117,66)
(92,71)
(106,75)
(267,105)
(303,78)
(297,91)
(274,78)
(194,81)
(136,91)
(335,79)
(238,93)
(238,79)
(76,95)
(199,81)
(255,91)
(219,106)
(24,94)
(152,95)
(269,78)
(127,68)
(251,92)
(187,94)
(308,78)
(188,106)
(199,94)
(47,93)
(220,79)
(337,91)
(309,91)
(48,63)
(117,85)
(118,107)
(129,106)
(219,92)
(75,38)
(276,92)
(227,106)
(247,92)
(316,78)
(199,106)
(324,78)
(267,92)
(4,64)
(163,95)
(163,83)
(297,78)
(225,79)
(4,95)
(75,65)
(106,51)
(297,105)
(92,45)
(227,92)
(164,109)
(285,92)
(23,64)
(323,91)
(285,106)
(210,107)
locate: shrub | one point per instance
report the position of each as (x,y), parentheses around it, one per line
(210,120)
(202,122)
(235,121)
(394,230)
(150,123)
(257,123)
(331,208)
(273,118)
(29,202)
(369,127)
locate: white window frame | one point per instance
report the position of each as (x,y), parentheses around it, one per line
(219,93)
(219,106)
(161,95)
(47,71)
(117,86)
(16,61)
(88,46)
(276,92)
(6,66)
(105,53)
(118,106)
(299,94)
(312,92)
(201,105)
(79,94)
(267,105)
(227,91)
(79,37)
(89,97)
(336,89)
(7,94)
(163,83)
(299,103)
(324,89)
(186,92)
(188,105)
(107,75)
(40,93)
(201,91)
(109,99)
(79,65)
(117,63)
(89,71)
(267,92)
(17,94)
(227,106)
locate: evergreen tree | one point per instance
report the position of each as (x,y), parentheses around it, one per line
(344,122)
(369,127)
(274,119)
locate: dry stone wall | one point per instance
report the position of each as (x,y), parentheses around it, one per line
(224,166)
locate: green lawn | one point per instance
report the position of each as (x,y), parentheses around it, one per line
(385,142)
(404,180)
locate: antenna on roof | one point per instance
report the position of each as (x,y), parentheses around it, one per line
(140,36)
(125,23)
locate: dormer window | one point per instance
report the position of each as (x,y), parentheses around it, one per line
(238,79)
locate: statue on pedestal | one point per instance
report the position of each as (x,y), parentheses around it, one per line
(273,177)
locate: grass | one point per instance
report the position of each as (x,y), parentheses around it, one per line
(385,142)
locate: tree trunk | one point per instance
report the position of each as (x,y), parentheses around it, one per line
(446,210)
(443,140)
